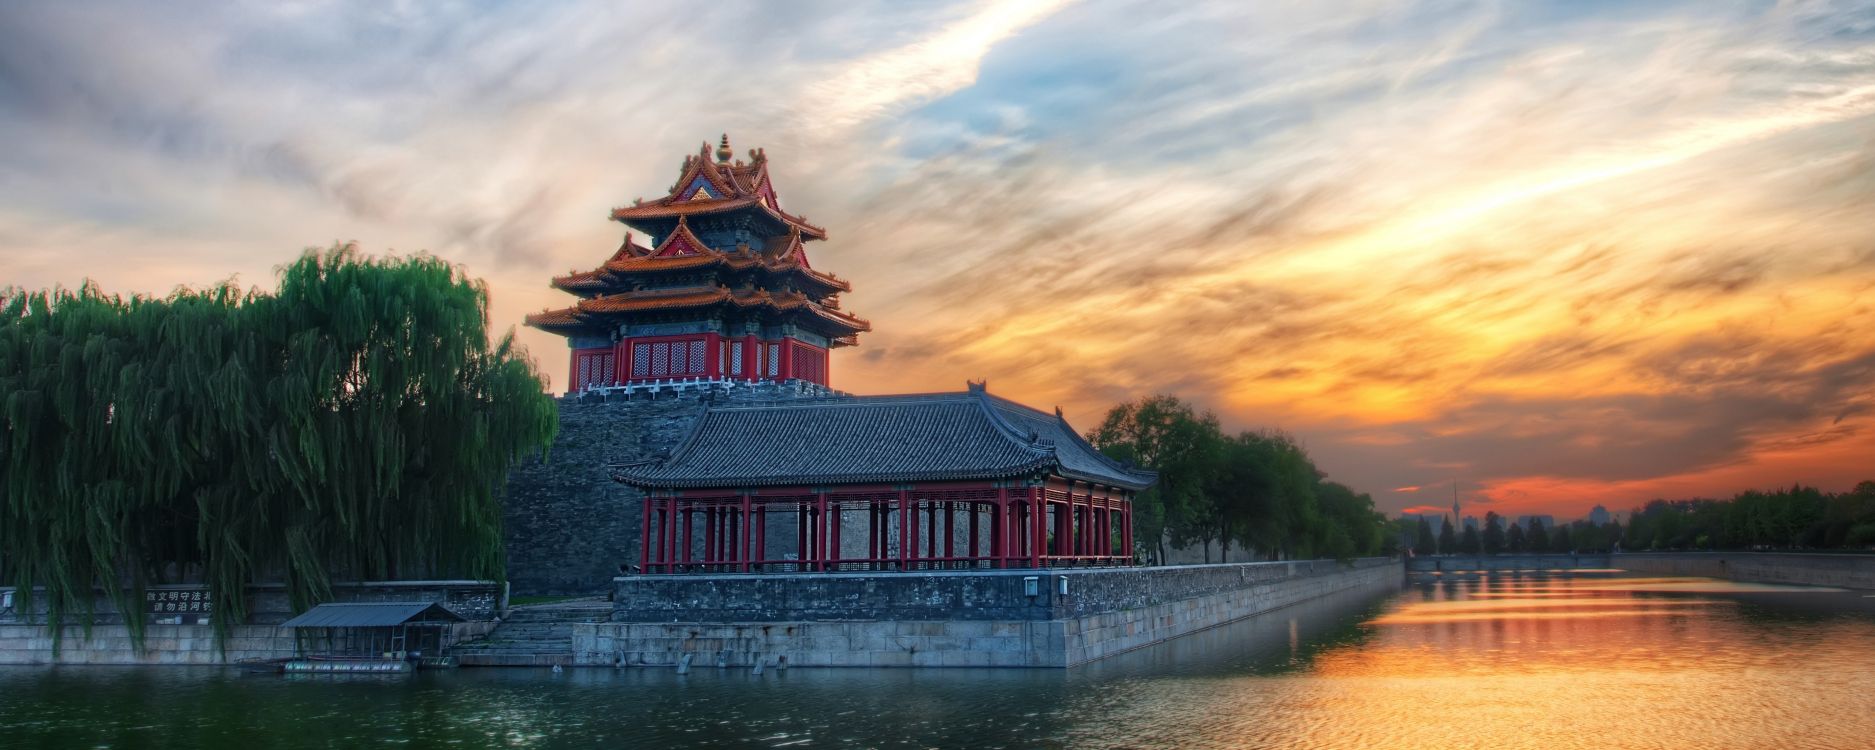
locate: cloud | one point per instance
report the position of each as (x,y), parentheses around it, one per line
(1562,254)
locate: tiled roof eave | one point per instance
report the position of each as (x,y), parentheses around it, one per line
(650,480)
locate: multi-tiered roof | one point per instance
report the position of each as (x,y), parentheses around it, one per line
(720,244)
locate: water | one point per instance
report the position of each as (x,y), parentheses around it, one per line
(1593,660)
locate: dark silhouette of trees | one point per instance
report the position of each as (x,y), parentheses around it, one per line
(1257,489)
(1493,533)
(356,423)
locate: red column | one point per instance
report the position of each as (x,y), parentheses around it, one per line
(904,535)
(976,509)
(709,535)
(999,530)
(950,535)
(820,538)
(669,548)
(1037,526)
(748,534)
(800,535)
(644,538)
(712,355)
(761,534)
(911,542)
(787,358)
(833,536)
(689,513)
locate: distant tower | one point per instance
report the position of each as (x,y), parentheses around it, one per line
(1455,513)
(722,291)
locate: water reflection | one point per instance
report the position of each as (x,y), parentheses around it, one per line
(1523,660)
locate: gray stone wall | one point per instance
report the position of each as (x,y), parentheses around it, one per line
(268,604)
(1475,563)
(950,619)
(568,526)
(26,639)
(1842,571)
(963,595)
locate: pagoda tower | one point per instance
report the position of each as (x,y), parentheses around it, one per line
(721,290)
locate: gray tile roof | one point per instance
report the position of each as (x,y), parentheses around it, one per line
(371,614)
(878,439)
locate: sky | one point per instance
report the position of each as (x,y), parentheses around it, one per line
(1547,255)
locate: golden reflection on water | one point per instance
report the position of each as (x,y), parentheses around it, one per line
(1562,662)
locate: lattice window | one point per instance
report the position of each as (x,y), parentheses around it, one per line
(680,360)
(660,360)
(810,364)
(773,367)
(697,361)
(641,360)
(734,356)
(593,369)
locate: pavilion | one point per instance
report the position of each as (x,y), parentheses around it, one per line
(930,482)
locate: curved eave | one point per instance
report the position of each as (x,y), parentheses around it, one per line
(649,480)
(661,210)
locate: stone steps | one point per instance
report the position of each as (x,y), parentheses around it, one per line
(533,636)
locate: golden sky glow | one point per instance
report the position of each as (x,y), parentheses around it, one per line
(1560,254)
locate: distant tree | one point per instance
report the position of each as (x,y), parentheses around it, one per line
(1562,541)
(1516,539)
(1493,533)
(1424,544)
(1611,536)
(1468,541)
(1538,539)
(1448,539)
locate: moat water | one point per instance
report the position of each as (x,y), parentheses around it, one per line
(1586,660)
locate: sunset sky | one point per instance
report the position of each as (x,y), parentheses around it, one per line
(1559,253)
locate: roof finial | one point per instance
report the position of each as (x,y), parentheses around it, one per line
(723,153)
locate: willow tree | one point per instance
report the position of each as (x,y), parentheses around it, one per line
(355,424)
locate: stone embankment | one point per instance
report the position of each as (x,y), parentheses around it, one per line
(181,631)
(1013,618)
(1804,569)
(1462,564)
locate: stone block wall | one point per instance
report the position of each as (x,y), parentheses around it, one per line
(1816,569)
(25,637)
(1475,563)
(568,526)
(982,619)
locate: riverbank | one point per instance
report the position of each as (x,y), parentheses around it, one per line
(1847,571)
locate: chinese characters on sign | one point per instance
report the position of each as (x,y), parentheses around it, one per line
(178,606)
(173,602)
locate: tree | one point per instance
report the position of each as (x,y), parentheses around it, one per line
(1538,538)
(1515,539)
(1493,533)
(1563,540)
(356,423)
(1425,544)
(1448,540)
(1468,542)
(1170,437)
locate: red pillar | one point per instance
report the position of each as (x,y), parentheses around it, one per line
(748,534)
(644,538)
(950,535)
(999,554)
(787,359)
(820,538)
(1037,526)
(976,509)
(800,535)
(911,542)
(761,534)
(669,548)
(833,536)
(709,535)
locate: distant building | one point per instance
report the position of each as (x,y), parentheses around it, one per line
(1600,516)
(1471,522)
